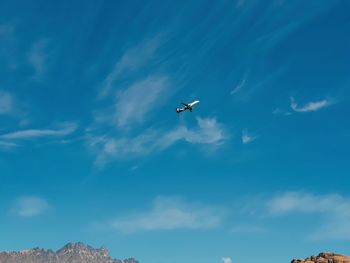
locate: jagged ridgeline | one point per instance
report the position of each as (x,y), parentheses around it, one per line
(326,257)
(70,253)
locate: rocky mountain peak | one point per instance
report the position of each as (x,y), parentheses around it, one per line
(324,257)
(70,253)
(76,247)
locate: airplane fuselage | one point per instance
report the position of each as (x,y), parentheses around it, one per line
(192,104)
(187,106)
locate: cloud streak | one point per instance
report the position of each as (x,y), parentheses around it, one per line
(37,57)
(6,103)
(278,23)
(169,213)
(132,59)
(30,206)
(247,138)
(226,260)
(7,145)
(207,132)
(279,111)
(332,209)
(310,106)
(134,103)
(67,129)
(240,85)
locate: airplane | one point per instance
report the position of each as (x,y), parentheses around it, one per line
(187,106)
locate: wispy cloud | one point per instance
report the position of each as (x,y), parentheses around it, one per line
(37,57)
(208,131)
(11,107)
(6,103)
(310,106)
(30,206)
(169,213)
(226,260)
(279,111)
(4,145)
(278,22)
(132,59)
(240,85)
(245,92)
(66,129)
(247,138)
(333,211)
(134,103)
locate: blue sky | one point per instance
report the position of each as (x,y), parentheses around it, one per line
(92,150)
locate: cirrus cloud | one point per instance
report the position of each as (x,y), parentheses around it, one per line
(208,132)
(333,210)
(133,58)
(6,103)
(30,206)
(226,260)
(247,137)
(310,106)
(169,213)
(66,129)
(134,103)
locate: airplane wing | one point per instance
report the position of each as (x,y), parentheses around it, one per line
(185,104)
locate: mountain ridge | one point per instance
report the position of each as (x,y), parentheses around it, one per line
(69,253)
(324,257)
(81,253)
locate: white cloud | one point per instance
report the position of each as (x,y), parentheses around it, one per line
(247,138)
(37,57)
(310,106)
(66,129)
(207,132)
(279,111)
(30,206)
(7,145)
(169,213)
(6,103)
(227,260)
(134,103)
(332,210)
(133,59)
(240,85)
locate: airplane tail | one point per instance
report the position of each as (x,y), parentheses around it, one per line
(179,110)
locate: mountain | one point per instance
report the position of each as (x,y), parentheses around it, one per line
(326,257)
(81,253)
(70,253)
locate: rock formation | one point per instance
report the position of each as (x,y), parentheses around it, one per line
(326,257)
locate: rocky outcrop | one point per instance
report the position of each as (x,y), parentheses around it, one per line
(326,257)
(70,253)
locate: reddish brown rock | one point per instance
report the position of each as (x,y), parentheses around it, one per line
(326,257)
